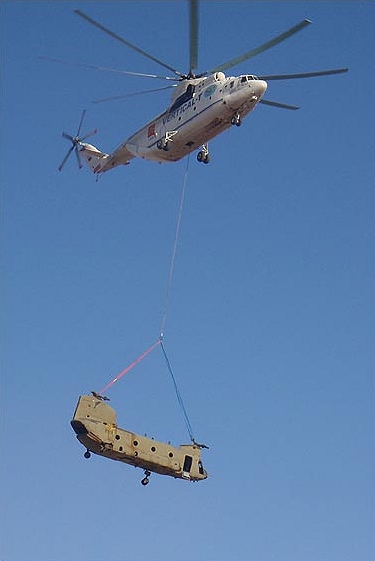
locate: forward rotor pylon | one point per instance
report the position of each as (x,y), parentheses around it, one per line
(76,142)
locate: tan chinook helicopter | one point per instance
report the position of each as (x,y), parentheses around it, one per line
(94,422)
(203,105)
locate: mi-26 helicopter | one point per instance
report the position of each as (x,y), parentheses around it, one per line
(202,106)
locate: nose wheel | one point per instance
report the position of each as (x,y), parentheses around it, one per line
(87,454)
(203,154)
(145,480)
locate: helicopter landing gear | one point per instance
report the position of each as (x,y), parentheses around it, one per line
(203,154)
(236,120)
(145,480)
(162,144)
(87,454)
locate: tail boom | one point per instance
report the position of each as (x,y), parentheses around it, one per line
(99,161)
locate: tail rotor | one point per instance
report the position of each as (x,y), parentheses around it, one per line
(76,142)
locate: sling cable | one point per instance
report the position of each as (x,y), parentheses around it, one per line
(159,342)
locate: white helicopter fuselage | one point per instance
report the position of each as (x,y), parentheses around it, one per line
(201,109)
(202,105)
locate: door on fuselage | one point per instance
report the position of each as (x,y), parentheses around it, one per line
(187,467)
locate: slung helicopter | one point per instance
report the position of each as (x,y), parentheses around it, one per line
(202,106)
(95,425)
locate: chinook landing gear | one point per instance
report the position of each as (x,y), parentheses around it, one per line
(87,454)
(145,480)
(203,154)
(236,120)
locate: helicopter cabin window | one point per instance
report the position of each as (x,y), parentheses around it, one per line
(187,464)
(183,98)
(244,79)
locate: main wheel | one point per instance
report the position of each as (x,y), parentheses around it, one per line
(200,156)
(87,455)
(206,159)
(145,481)
(236,120)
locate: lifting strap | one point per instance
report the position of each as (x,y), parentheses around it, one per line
(134,363)
(164,318)
(176,238)
(179,398)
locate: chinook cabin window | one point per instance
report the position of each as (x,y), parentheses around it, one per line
(187,464)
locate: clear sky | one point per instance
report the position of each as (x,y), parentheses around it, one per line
(270,327)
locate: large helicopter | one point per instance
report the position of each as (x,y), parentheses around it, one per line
(202,106)
(95,424)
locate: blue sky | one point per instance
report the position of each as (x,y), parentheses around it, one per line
(270,326)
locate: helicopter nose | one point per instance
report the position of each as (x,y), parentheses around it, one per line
(261,87)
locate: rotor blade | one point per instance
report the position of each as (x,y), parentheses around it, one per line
(122,40)
(106,69)
(115,97)
(66,157)
(68,136)
(80,165)
(80,123)
(193,35)
(88,134)
(263,47)
(280,105)
(303,74)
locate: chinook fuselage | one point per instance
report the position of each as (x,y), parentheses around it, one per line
(94,422)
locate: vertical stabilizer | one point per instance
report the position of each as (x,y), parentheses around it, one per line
(94,158)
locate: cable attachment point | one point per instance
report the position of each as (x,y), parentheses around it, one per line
(200,445)
(99,396)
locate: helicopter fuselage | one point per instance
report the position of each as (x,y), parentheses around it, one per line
(201,109)
(202,106)
(94,423)
(190,123)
